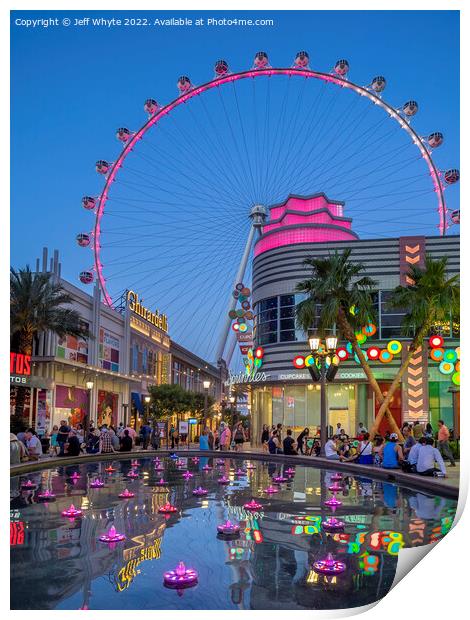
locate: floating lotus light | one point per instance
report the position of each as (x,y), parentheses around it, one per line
(156,459)
(112,536)
(180,463)
(187,475)
(333,501)
(337,476)
(46,496)
(223,480)
(290,471)
(335,488)
(71,512)
(159,467)
(329,566)
(332,524)
(161,483)
(135,463)
(252,505)
(206,468)
(228,529)
(126,494)
(167,508)
(75,475)
(220,461)
(271,490)
(97,484)
(29,484)
(133,474)
(240,472)
(195,459)
(200,491)
(110,469)
(181,577)
(250,466)
(280,479)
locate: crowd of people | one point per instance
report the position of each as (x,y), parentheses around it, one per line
(417,453)
(223,437)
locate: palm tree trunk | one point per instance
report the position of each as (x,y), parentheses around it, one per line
(25,346)
(349,334)
(415,344)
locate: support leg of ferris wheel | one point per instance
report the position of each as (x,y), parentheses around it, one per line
(258,217)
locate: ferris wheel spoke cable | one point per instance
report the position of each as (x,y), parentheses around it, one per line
(264,164)
(257,161)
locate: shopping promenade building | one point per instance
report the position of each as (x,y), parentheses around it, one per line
(109,373)
(315,226)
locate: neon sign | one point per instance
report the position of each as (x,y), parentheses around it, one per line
(157,319)
(20,364)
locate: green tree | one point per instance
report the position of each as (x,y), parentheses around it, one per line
(340,296)
(197,405)
(38,304)
(432,297)
(168,400)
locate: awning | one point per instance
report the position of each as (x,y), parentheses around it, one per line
(137,402)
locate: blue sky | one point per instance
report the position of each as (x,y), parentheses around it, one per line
(72,87)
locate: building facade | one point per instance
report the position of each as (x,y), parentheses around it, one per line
(315,226)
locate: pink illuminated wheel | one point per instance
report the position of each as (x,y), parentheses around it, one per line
(174,186)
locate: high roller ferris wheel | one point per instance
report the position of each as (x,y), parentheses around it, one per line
(189,191)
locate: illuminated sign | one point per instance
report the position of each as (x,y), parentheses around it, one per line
(17,531)
(254,377)
(20,364)
(157,319)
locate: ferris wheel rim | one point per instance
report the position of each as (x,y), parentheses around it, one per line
(236,76)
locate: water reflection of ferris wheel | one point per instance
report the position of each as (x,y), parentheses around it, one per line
(185,198)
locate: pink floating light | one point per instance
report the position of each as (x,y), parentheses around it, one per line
(97,484)
(135,463)
(337,476)
(200,491)
(75,475)
(112,536)
(159,467)
(126,494)
(240,472)
(271,490)
(223,480)
(290,471)
(195,460)
(228,528)
(181,577)
(133,474)
(161,483)
(280,479)
(187,475)
(180,463)
(167,508)
(29,484)
(252,505)
(329,566)
(110,469)
(333,502)
(220,461)
(332,524)
(156,459)
(335,488)
(206,468)
(72,512)
(46,496)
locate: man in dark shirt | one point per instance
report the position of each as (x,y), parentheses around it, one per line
(73,444)
(126,442)
(288,443)
(62,436)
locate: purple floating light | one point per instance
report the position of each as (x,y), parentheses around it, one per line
(206,468)
(46,496)
(195,459)
(126,494)
(228,528)
(220,461)
(135,463)
(180,463)
(329,566)
(97,484)
(29,484)
(181,577)
(271,490)
(159,467)
(223,480)
(252,505)
(187,475)
(290,471)
(335,488)
(337,476)
(240,472)
(72,512)
(200,491)
(75,475)
(280,479)
(133,474)
(112,536)
(161,483)
(332,524)
(167,508)
(333,502)
(156,459)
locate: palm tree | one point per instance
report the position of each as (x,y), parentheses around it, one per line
(432,297)
(338,295)
(38,304)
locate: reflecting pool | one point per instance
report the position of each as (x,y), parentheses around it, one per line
(59,562)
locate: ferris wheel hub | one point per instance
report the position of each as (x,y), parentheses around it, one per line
(258,215)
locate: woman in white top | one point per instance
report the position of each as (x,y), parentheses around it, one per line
(331,449)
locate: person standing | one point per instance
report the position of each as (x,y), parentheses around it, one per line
(361,430)
(265,437)
(429,431)
(145,432)
(443,442)
(210,439)
(62,436)
(301,440)
(418,430)
(225,437)
(204,440)
(54,444)
(239,437)
(274,445)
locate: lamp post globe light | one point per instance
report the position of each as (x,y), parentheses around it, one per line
(206,385)
(147,410)
(232,413)
(319,372)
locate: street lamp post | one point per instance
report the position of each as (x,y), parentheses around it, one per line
(232,401)
(89,387)
(206,385)
(320,352)
(147,402)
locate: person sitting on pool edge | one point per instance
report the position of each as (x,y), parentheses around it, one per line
(391,453)
(288,443)
(428,455)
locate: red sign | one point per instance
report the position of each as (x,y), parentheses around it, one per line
(244,350)
(20,364)
(17,533)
